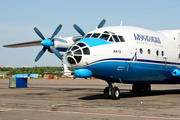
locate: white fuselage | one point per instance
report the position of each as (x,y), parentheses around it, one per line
(137,50)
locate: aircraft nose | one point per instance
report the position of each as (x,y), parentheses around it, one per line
(76,52)
(47,43)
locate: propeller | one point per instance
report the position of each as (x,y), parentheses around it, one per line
(101,24)
(48,43)
(81,32)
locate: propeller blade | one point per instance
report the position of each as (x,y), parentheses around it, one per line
(56,52)
(38,33)
(101,24)
(40,54)
(78,29)
(56,31)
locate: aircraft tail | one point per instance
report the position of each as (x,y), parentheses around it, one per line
(66,68)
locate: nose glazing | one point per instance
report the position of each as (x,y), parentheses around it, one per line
(75,53)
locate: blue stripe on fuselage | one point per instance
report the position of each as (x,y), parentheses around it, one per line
(92,42)
(139,60)
(133,72)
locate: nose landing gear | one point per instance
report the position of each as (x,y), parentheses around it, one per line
(111,92)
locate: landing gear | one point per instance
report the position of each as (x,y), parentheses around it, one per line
(111,92)
(141,88)
(74,77)
(115,93)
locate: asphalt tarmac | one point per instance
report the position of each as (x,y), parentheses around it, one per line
(80,99)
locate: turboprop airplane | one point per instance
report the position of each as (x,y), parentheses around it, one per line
(119,54)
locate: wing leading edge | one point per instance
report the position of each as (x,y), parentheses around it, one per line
(25,44)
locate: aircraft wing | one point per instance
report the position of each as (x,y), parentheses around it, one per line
(25,44)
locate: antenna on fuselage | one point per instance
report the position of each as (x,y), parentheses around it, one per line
(121,23)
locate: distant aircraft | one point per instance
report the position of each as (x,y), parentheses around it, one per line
(2,76)
(119,54)
(67,72)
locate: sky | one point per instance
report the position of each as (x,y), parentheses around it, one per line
(18,17)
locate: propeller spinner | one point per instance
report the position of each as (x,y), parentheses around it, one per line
(80,31)
(48,43)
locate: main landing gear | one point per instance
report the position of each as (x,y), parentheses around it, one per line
(111,92)
(141,88)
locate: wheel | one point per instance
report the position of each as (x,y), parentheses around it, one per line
(141,88)
(115,93)
(136,88)
(106,93)
(74,77)
(147,88)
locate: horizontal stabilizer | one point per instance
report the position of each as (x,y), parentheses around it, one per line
(25,44)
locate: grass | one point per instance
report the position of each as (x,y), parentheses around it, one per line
(3,72)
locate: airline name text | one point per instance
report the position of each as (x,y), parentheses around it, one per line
(147,38)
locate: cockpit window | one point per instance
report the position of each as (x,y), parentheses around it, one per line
(104,36)
(111,40)
(121,38)
(116,38)
(106,32)
(88,35)
(95,35)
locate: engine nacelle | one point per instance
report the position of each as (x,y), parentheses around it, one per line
(82,73)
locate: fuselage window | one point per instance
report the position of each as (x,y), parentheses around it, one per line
(104,37)
(162,53)
(116,38)
(111,40)
(88,35)
(179,55)
(95,35)
(121,38)
(149,51)
(140,50)
(157,53)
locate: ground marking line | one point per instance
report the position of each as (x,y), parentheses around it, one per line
(96,113)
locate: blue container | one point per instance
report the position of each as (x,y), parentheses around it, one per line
(17,82)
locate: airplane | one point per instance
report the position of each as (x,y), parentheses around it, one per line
(67,72)
(118,54)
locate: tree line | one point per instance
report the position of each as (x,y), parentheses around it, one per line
(33,70)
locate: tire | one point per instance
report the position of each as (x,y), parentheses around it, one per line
(147,88)
(106,93)
(115,93)
(141,88)
(136,88)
